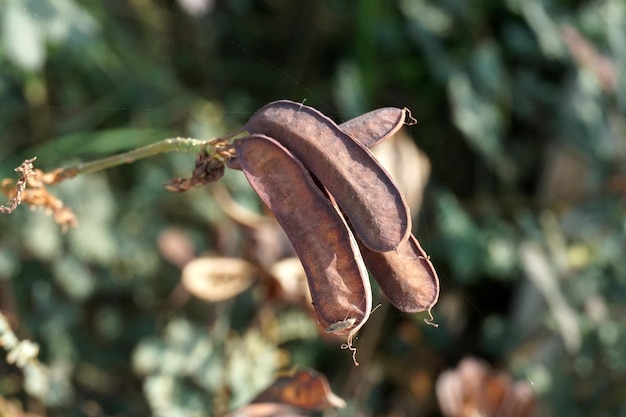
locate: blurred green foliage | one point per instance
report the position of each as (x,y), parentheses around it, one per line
(521,107)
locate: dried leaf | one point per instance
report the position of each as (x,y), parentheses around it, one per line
(265,241)
(291,277)
(306,389)
(474,389)
(31,189)
(407,165)
(13,409)
(217,279)
(15,191)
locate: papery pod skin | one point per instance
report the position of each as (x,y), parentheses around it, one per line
(369,129)
(373,128)
(406,276)
(335,271)
(366,194)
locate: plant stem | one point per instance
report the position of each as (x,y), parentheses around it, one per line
(166,145)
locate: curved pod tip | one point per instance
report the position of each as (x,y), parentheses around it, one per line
(406,276)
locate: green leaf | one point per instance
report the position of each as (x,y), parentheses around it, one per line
(23,38)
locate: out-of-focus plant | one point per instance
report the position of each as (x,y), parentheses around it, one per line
(220,279)
(473,389)
(521,112)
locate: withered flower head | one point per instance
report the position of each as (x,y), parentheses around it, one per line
(31,189)
(208,168)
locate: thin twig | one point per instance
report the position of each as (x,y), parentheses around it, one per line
(31,186)
(166,145)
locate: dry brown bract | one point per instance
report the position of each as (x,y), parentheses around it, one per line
(208,168)
(30,188)
(292,396)
(474,389)
(306,389)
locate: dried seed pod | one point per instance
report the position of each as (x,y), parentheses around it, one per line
(367,195)
(369,129)
(329,253)
(406,276)
(216,278)
(376,126)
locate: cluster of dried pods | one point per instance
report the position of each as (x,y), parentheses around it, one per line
(340,209)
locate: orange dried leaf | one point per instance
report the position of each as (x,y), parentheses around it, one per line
(31,189)
(306,389)
(14,192)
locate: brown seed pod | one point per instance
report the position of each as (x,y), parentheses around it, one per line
(367,195)
(406,276)
(369,129)
(329,253)
(376,126)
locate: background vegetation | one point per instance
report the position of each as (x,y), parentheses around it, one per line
(521,112)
